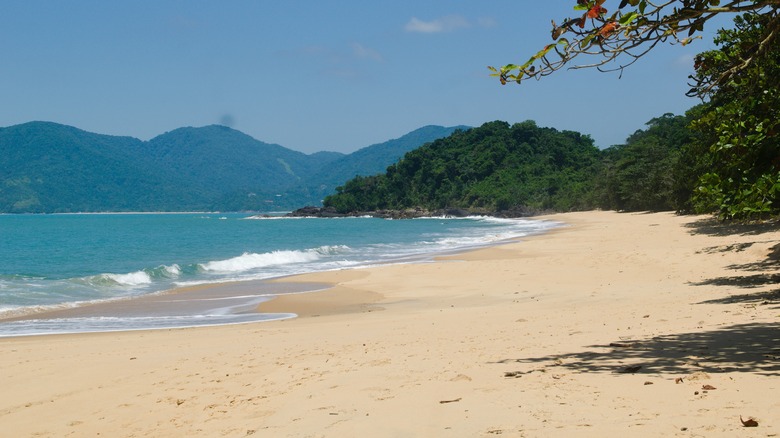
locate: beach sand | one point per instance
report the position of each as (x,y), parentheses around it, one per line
(615,325)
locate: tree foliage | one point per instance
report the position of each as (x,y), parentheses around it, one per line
(614,40)
(494,167)
(732,162)
(643,174)
(738,129)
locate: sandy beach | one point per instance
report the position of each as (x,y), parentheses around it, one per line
(613,325)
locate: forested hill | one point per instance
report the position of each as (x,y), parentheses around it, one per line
(374,159)
(493,167)
(523,168)
(47,167)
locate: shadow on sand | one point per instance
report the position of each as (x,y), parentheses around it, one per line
(758,274)
(751,347)
(740,348)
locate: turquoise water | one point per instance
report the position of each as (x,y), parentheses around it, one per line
(56,261)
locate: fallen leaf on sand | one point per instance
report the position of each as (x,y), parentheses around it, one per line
(750,422)
(678,380)
(632,369)
(708,387)
(450,401)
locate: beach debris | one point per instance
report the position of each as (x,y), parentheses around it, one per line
(708,387)
(678,380)
(514,374)
(450,401)
(648,383)
(750,422)
(622,344)
(179,402)
(630,369)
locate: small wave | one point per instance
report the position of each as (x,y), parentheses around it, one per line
(138,278)
(249,261)
(164,272)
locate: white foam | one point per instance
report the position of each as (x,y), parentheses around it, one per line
(249,261)
(137,278)
(173,270)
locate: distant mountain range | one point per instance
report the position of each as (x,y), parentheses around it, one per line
(51,168)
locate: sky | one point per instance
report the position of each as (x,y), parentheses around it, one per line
(333,75)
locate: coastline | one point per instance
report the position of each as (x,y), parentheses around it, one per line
(522,339)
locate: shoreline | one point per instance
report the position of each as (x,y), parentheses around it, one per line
(534,338)
(257,293)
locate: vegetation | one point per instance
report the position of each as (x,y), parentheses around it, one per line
(617,40)
(373,159)
(738,141)
(493,167)
(647,172)
(730,162)
(50,168)
(498,168)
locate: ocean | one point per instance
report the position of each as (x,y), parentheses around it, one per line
(65,261)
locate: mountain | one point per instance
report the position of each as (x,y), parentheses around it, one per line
(235,171)
(375,159)
(47,167)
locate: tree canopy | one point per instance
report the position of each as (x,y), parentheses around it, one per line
(738,141)
(495,167)
(611,41)
(525,168)
(733,152)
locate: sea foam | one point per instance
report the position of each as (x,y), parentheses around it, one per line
(249,261)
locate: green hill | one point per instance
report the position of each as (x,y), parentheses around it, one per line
(492,168)
(47,167)
(375,159)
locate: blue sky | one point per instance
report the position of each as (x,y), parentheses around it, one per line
(312,75)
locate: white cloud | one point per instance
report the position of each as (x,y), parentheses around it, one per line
(364,52)
(443,24)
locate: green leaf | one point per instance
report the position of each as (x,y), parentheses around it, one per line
(586,41)
(628,18)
